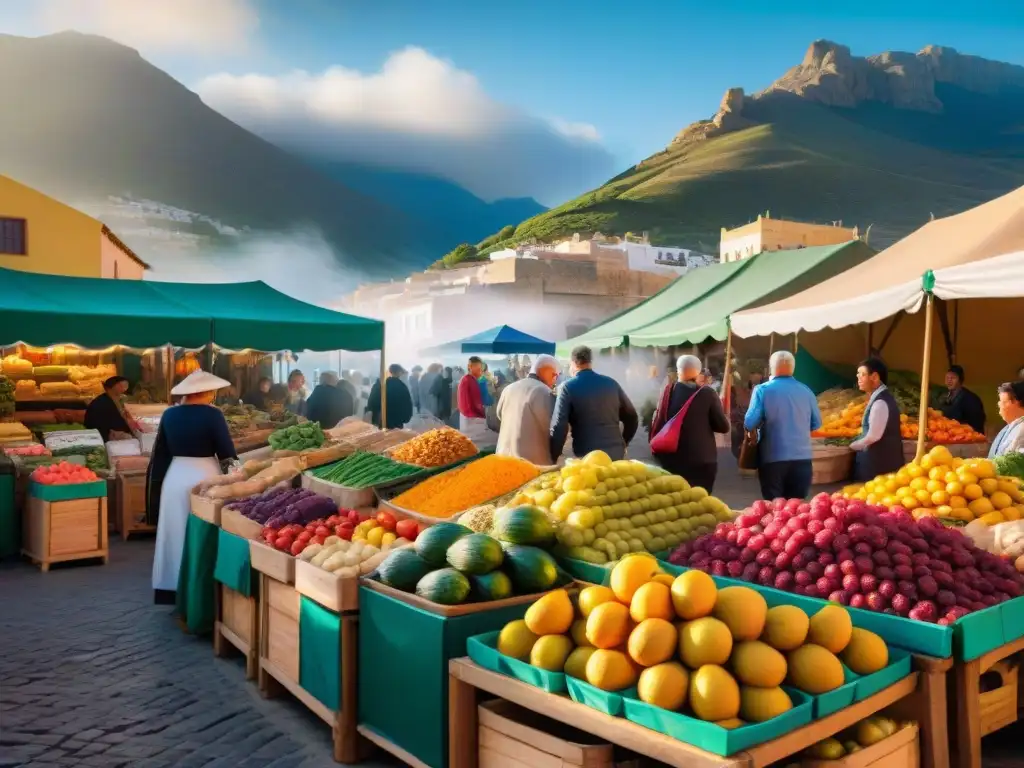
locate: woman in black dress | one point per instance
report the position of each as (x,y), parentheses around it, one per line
(192,443)
(696,458)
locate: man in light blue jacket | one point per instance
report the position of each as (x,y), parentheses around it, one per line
(785,411)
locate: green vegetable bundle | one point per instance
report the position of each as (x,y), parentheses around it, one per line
(47,428)
(363,469)
(1012,464)
(298,437)
(96,459)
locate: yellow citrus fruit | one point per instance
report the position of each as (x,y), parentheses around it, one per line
(830,628)
(550,652)
(927,463)
(516,640)
(579,633)
(919,483)
(704,641)
(923,496)
(940,455)
(958,502)
(966,477)
(743,610)
(937,473)
(576,664)
(664,685)
(939,498)
(610,670)
(714,694)
(914,470)
(652,601)
(989,485)
(1001,500)
(955,488)
(785,627)
(609,625)
(651,642)
(984,468)
(591,597)
(866,652)
(973,491)
(551,614)
(693,595)
(980,507)
(630,574)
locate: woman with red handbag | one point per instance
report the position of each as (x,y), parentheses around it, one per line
(684,427)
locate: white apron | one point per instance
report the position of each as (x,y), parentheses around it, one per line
(185,473)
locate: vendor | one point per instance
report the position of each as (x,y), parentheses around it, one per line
(961,404)
(880,445)
(191,443)
(106,413)
(257,398)
(1011,407)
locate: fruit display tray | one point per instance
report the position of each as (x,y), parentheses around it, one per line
(483,649)
(715,738)
(972,636)
(609,702)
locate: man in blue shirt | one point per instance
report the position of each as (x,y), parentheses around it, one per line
(786,412)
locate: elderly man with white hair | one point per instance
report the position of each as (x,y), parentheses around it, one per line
(684,426)
(785,412)
(524,412)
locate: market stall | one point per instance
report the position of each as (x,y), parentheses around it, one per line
(500,340)
(979,254)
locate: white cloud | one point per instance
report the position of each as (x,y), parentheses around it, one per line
(152,26)
(421,113)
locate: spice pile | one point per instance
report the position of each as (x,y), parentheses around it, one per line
(463,487)
(435,448)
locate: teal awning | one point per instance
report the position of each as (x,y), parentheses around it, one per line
(46,310)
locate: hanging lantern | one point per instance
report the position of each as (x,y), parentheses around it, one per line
(186,365)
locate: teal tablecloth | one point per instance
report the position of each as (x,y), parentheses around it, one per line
(195,595)
(320,653)
(233,566)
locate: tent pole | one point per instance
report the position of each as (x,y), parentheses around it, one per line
(169,374)
(922,418)
(726,372)
(771,344)
(796,342)
(383,390)
(956,327)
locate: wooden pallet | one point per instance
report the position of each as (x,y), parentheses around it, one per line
(467,679)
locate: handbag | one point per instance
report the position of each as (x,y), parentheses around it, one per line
(667,439)
(750,451)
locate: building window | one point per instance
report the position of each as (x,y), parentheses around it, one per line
(12,236)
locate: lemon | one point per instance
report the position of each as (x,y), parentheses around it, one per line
(516,640)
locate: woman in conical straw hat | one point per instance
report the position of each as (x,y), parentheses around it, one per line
(192,443)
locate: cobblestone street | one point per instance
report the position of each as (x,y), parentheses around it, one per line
(93,674)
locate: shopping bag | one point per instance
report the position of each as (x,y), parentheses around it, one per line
(667,439)
(749,450)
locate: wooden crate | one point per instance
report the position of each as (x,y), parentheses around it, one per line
(59,531)
(131,504)
(278,565)
(452,610)
(977,712)
(205,508)
(233,521)
(513,737)
(237,625)
(279,666)
(830,464)
(346,498)
(279,638)
(901,750)
(340,595)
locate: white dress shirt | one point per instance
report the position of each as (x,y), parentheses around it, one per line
(878,417)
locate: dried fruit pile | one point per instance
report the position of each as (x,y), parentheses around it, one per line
(859,555)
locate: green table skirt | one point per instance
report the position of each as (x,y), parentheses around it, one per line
(233,567)
(320,653)
(195,598)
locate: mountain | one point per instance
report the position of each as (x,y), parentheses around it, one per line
(97,125)
(457,212)
(884,142)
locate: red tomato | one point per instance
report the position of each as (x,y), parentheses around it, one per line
(353,516)
(297,547)
(386,520)
(345,532)
(407,529)
(332,521)
(320,539)
(323,530)
(283,543)
(270,536)
(304,536)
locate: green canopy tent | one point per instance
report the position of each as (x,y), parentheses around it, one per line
(764,278)
(678,294)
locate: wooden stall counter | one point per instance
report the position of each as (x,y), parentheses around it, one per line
(467,679)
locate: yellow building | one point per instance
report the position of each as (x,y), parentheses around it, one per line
(40,234)
(767,234)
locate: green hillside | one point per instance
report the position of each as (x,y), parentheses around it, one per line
(874,165)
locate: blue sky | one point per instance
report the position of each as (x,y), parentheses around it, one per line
(613,81)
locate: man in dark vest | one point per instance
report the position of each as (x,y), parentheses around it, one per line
(879,447)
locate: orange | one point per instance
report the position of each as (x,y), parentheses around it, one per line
(966,477)
(973,491)
(937,473)
(935,485)
(980,507)
(923,496)
(944,511)
(630,574)
(652,601)
(958,502)
(591,597)
(609,625)
(954,487)
(910,503)
(918,483)
(939,498)
(914,470)
(989,485)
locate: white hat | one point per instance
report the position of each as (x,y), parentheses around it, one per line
(199,381)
